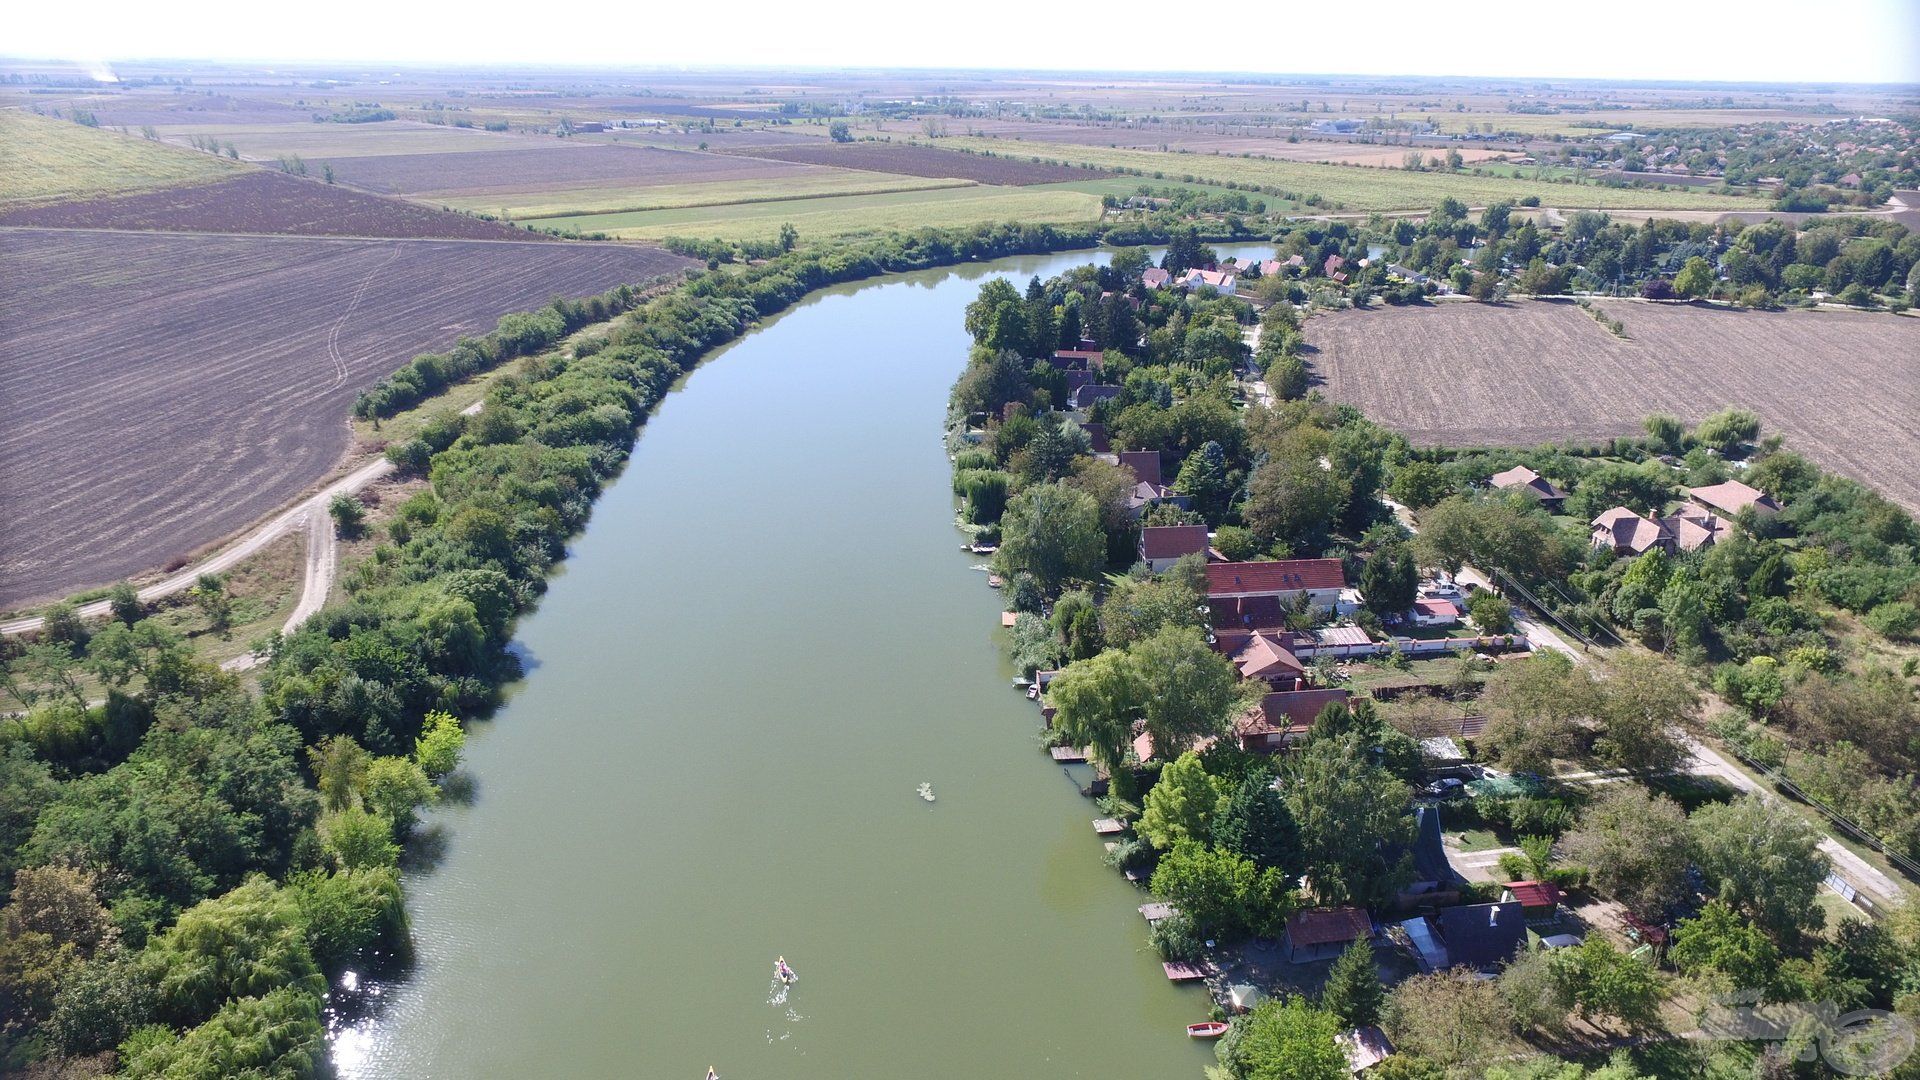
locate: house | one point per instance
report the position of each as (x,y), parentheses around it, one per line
(589,127)
(1521,478)
(1365,1047)
(1155,278)
(1332,265)
(1406,273)
(1296,262)
(1431,612)
(1482,936)
(1087,395)
(1624,532)
(1324,933)
(1730,498)
(1222,281)
(1163,545)
(1247,613)
(1145,495)
(1073,380)
(1269,267)
(1851,180)
(1426,945)
(1269,658)
(1317,581)
(1693,528)
(1539,900)
(1084,359)
(1097,436)
(1282,718)
(1144,463)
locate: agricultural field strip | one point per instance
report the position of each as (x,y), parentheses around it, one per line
(916,159)
(1843,387)
(1360,188)
(181,385)
(842,215)
(268,142)
(42,159)
(544,165)
(572,202)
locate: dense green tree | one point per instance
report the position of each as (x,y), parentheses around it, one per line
(1536,710)
(1053,532)
(1254,821)
(1294,499)
(396,787)
(1183,803)
(1137,607)
(1761,857)
(1635,847)
(358,839)
(1645,703)
(1450,1019)
(1284,1039)
(1221,892)
(1420,484)
(1604,982)
(125,603)
(1354,994)
(277,1036)
(1720,941)
(348,915)
(247,943)
(1390,580)
(1695,280)
(1190,689)
(441,741)
(1348,811)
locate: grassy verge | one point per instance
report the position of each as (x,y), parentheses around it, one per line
(49,159)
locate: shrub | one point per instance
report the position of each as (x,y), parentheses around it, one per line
(1896,619)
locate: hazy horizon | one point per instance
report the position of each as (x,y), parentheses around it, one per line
(1763,41)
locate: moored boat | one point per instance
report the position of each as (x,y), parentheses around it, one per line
(1210,1029)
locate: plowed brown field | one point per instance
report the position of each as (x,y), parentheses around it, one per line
(158,392)
(1843,387)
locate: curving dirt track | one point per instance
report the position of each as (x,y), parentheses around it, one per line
(1842,386)
(159,392)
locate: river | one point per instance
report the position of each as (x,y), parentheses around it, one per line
(764,641)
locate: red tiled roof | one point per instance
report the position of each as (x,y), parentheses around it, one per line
(1534,894)
(1625,529)
(1436,609)
(1246,612)
(1283,575)
(1328,926)
(1073,356)
(1171,541)
(1144,463)
(1732,497)
(1098,434)
(1291,710)
(1522,477)
(1267,656)
(1154,277)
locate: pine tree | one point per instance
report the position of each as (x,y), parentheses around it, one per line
(1354,993)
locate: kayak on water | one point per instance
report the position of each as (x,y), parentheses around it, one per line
(711,1075)
(784,973)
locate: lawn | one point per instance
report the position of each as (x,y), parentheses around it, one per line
(1352,187)
(844,215)
(47,159)
(579,201)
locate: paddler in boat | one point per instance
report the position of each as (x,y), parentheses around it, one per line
(782,972)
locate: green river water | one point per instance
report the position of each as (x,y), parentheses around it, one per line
(765,640)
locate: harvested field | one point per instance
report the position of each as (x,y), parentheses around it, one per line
(260,201)
(846,215)
(136,109)
(720,139)
(916,160)
(1843,387)
(267,142)
(43,159)
(158,392)
(1357,188)
(572,202)
(540,167)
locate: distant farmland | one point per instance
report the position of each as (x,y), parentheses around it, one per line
(1843,387)
(48,159)
(261,201)
(1355,187)
(846,215)
(528,165)
(918,160)
(158,392)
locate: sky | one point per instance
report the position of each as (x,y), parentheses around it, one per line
(1693,40)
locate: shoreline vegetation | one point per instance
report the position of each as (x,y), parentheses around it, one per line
(1101,416)
(216,856)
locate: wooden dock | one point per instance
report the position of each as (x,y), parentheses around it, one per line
(1156,911)
(1107,826)
(1181,971)
(1068,755)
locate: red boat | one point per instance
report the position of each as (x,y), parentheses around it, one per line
(1211,1029)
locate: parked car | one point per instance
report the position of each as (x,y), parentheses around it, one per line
(1448,788)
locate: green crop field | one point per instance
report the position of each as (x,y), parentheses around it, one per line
(846,214)
(1353,187)
(579,201)
(43,159)
(1123,186)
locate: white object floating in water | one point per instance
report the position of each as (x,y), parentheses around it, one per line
(926,791)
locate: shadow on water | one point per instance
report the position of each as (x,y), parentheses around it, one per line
(426,848)
(459,788)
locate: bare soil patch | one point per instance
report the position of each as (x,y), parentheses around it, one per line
(159,392)
(914,160)
(561,164)
(1843,387)
(259,201)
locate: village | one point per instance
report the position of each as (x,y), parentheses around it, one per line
(1469,892)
